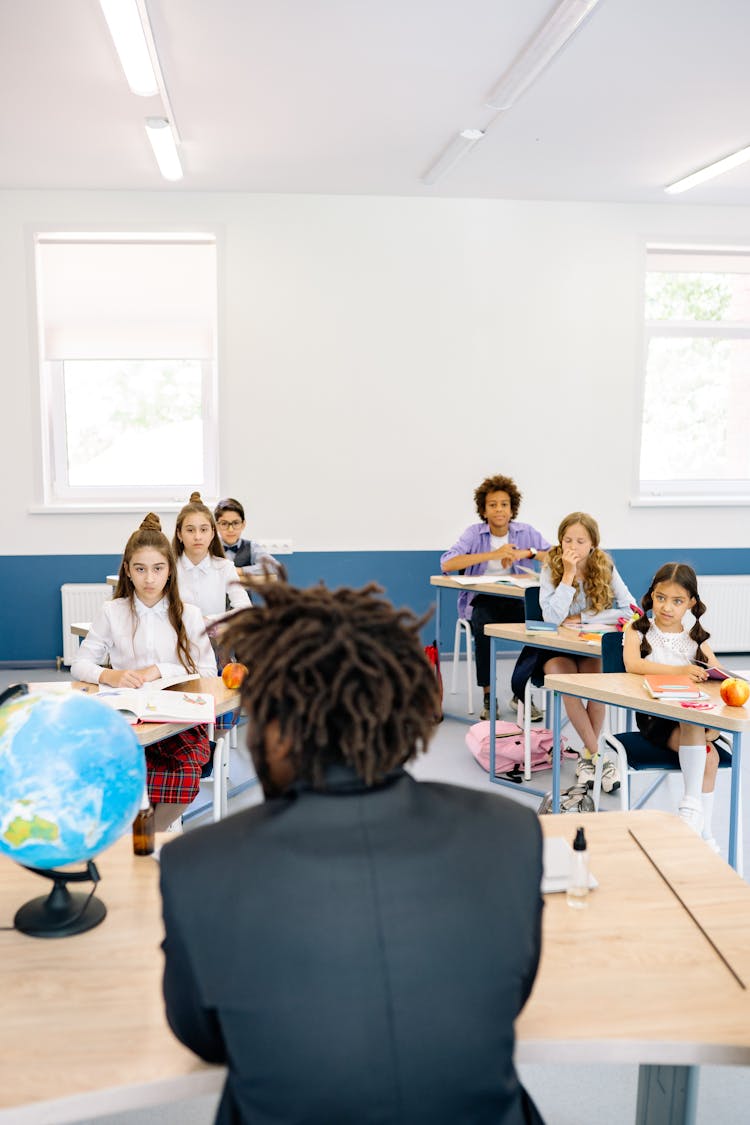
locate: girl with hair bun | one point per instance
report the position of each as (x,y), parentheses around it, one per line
(146,633)
(661,644)
(206,577)
(580,585)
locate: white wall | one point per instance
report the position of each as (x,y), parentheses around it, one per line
(380,356)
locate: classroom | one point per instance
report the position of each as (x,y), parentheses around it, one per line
(380,344)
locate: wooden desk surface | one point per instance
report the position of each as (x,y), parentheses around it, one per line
(625,689)
(628,979)
(564,640)
(83,1018)
(631,978)
(502,589)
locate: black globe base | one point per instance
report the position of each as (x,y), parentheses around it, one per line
(60,913)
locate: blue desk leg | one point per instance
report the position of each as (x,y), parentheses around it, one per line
(556,727)
(437,617)
(493,705)
(734,799)
(667,1095)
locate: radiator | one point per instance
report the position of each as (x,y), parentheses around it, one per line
(80,602)
(727,616)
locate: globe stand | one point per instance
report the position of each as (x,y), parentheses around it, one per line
(61,913)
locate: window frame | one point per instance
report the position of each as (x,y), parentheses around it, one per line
(695,492)
(57,494)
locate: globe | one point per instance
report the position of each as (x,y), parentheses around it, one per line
(72,775)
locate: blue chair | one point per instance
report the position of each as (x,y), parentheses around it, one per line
(634,753)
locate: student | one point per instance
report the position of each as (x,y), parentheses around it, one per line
(580,586)
(247,556)
(661,644)
(207,579)
(498,545)
(343,948)
(147,633)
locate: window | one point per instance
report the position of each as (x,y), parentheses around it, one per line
(696,402)
(128,368)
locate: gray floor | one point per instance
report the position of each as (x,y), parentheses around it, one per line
(583,1095)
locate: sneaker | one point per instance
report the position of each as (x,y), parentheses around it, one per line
(585,772)
(536,714)
(576,800)
(712,843)
(176,826)
(690,811)
(610,776)
(485,712)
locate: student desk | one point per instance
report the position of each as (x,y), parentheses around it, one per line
(631,978)
(84,1034)
(565,641)
(499,589)
(624,689)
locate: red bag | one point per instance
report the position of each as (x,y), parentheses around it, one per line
(509,747)
(432,652)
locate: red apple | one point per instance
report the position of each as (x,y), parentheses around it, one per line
(233,675)
(734,692)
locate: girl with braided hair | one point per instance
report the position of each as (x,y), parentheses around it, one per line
(143,634)
(660,644)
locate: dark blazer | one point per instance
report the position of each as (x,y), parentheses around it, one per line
(358,955)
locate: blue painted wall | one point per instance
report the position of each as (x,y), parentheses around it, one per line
(31,614)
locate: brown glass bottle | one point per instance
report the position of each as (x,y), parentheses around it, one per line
(143,832)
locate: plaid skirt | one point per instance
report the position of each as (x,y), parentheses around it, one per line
(174,766)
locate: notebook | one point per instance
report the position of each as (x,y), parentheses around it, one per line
(556,866)
(672,687)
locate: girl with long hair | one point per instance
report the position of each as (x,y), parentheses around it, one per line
(144,634)
(580,585)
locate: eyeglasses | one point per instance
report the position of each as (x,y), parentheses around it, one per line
(229,525)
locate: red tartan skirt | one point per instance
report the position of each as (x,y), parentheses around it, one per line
(174,766)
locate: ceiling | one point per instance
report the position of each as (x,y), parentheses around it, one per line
(361,96)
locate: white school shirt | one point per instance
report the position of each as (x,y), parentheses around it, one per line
(140,639)
(209,584)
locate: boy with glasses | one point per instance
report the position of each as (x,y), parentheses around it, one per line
(247,556)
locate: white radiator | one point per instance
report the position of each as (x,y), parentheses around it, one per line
(727,617)
(80,602)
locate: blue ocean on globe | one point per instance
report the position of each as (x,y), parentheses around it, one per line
(72,775)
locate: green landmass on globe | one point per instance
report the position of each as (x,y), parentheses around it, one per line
(20,830)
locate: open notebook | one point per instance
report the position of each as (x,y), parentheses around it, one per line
(556,865)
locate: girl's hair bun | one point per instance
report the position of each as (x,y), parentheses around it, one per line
(195,498)
(151,522)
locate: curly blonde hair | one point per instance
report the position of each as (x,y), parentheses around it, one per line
(597,578)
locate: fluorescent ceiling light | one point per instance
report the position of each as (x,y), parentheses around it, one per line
(539,51)
(716,169)
(457,149)
(124,21)
(165,150)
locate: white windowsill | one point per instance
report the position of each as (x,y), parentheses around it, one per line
(689,501)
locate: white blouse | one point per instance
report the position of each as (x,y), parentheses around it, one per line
(140,639)
(209,584)
(670,648)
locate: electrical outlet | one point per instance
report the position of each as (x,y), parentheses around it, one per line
(276,546)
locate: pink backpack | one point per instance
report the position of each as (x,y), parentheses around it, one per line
(509,747)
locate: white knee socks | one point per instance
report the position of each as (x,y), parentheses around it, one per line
(693,766)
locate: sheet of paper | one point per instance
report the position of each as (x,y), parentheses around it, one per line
(556,866)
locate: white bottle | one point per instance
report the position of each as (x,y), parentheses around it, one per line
(578,884)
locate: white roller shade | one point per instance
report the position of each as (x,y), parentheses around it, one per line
(126,299)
